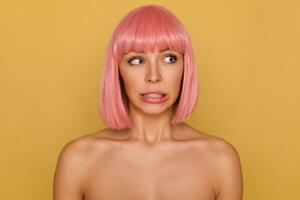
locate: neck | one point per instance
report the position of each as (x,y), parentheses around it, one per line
(151,129)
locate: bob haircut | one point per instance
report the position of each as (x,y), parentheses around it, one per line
(141,30)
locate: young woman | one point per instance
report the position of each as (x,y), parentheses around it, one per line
(147,152)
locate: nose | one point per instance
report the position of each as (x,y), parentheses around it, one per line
(153,74)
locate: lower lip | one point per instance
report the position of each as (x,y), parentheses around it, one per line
(154,100)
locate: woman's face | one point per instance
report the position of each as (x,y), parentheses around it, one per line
(156,73)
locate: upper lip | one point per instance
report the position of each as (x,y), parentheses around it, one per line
(153,92)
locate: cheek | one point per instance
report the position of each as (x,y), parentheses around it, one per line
(130,80)
(175,77)
(175,81)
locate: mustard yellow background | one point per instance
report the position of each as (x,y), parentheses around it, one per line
(51,61)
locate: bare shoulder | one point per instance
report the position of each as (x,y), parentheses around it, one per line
(85,145)
(90,145)
(225,156)
(226,165)
(228,171)
(74,163)
(221,150)
(77,151)
(214,144)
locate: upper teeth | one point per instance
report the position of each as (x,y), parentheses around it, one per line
(153,95)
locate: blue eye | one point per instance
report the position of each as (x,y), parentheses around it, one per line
(135,60)
(173,58)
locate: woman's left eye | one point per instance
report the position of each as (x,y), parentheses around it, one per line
(171,58)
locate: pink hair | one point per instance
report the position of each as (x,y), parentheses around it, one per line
(143,29)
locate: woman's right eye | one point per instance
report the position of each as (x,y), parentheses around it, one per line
(135,60)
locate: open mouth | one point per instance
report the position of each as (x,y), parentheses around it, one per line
(154,95)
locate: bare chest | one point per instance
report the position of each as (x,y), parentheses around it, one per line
(140,176)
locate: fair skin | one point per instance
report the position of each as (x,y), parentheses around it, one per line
(153,160)
(161,70)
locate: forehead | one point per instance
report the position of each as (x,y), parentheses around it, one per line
(155,50)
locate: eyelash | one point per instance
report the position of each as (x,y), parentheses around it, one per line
(138,57)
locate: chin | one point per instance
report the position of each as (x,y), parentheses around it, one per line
(154,109)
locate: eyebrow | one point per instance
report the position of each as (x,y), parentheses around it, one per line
(166,49)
